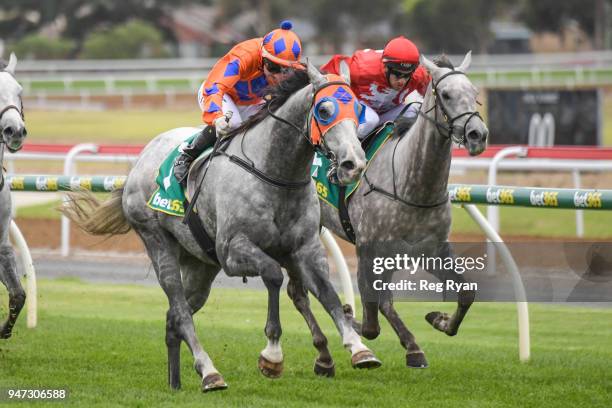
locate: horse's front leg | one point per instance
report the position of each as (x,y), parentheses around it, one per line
(246,258)
(440,320)
(8,276)
(310,261)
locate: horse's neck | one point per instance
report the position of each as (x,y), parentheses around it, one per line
(423,159)
(278,149)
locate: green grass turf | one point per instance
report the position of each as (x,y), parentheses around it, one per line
(537,222)
(105,127)
(105,343)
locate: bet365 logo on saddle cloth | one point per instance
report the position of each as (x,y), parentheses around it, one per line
(169,196)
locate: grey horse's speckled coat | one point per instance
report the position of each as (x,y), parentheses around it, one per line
(258,228)
(422,163)
(13,133)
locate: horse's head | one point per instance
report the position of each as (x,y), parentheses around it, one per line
(12,124)
(455,104)
(333,124)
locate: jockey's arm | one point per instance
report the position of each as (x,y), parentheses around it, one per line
(224,75)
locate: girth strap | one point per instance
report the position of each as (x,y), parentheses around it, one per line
(206,243)
(345,219)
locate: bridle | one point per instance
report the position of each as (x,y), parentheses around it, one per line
(2,142)
(305,131)
(447,127)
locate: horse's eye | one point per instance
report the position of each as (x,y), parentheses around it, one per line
(445,95)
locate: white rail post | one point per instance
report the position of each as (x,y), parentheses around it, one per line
(579,213)
(69,168)
(338,258)
(28,267)
(517,282)
(493,210)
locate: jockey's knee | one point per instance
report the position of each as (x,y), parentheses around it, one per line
(367,123)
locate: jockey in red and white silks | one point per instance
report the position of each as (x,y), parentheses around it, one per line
(382,79)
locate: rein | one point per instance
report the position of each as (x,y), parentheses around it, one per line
(305,131)
(321,148)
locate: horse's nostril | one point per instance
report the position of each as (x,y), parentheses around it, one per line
(24,133)
(473,135)
(8,131)
(347,165)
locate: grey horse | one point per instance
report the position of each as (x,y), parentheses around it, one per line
(13,130)
(258,227)
(403,198)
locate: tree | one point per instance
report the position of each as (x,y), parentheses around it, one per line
(553,16)
(35,46)
(74,19)
(452,27)
(132,40)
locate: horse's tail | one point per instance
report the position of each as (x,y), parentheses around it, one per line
(94,216)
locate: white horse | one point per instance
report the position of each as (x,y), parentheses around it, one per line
(13,132)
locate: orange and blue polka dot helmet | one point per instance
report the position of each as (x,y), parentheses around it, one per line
(282,46)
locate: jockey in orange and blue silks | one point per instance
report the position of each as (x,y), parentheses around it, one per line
(237,80)
(236,84)
(382,79)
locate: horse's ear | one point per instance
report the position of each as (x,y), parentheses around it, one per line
(345,72)
(429,65)
(10,68)
(316,78)
(466,62)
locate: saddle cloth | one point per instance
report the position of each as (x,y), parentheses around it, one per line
(329,192)
(169,195)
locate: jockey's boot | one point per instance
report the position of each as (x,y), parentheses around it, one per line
(204,139)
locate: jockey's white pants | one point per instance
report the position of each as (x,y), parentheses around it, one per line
(371,119)
(239,112)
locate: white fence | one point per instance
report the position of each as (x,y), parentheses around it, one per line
(489,70)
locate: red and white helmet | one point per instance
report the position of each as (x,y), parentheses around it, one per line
(401,54)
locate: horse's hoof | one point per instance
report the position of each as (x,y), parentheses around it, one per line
(324,369)
(365,359)
(439,321)
(270,369)
(348,310)
(416,359)
(213,382)
(6,332)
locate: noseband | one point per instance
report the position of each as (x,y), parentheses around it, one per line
(9,107)
(447,127)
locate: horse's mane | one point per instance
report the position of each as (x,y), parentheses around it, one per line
(276,96)
(443,62)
